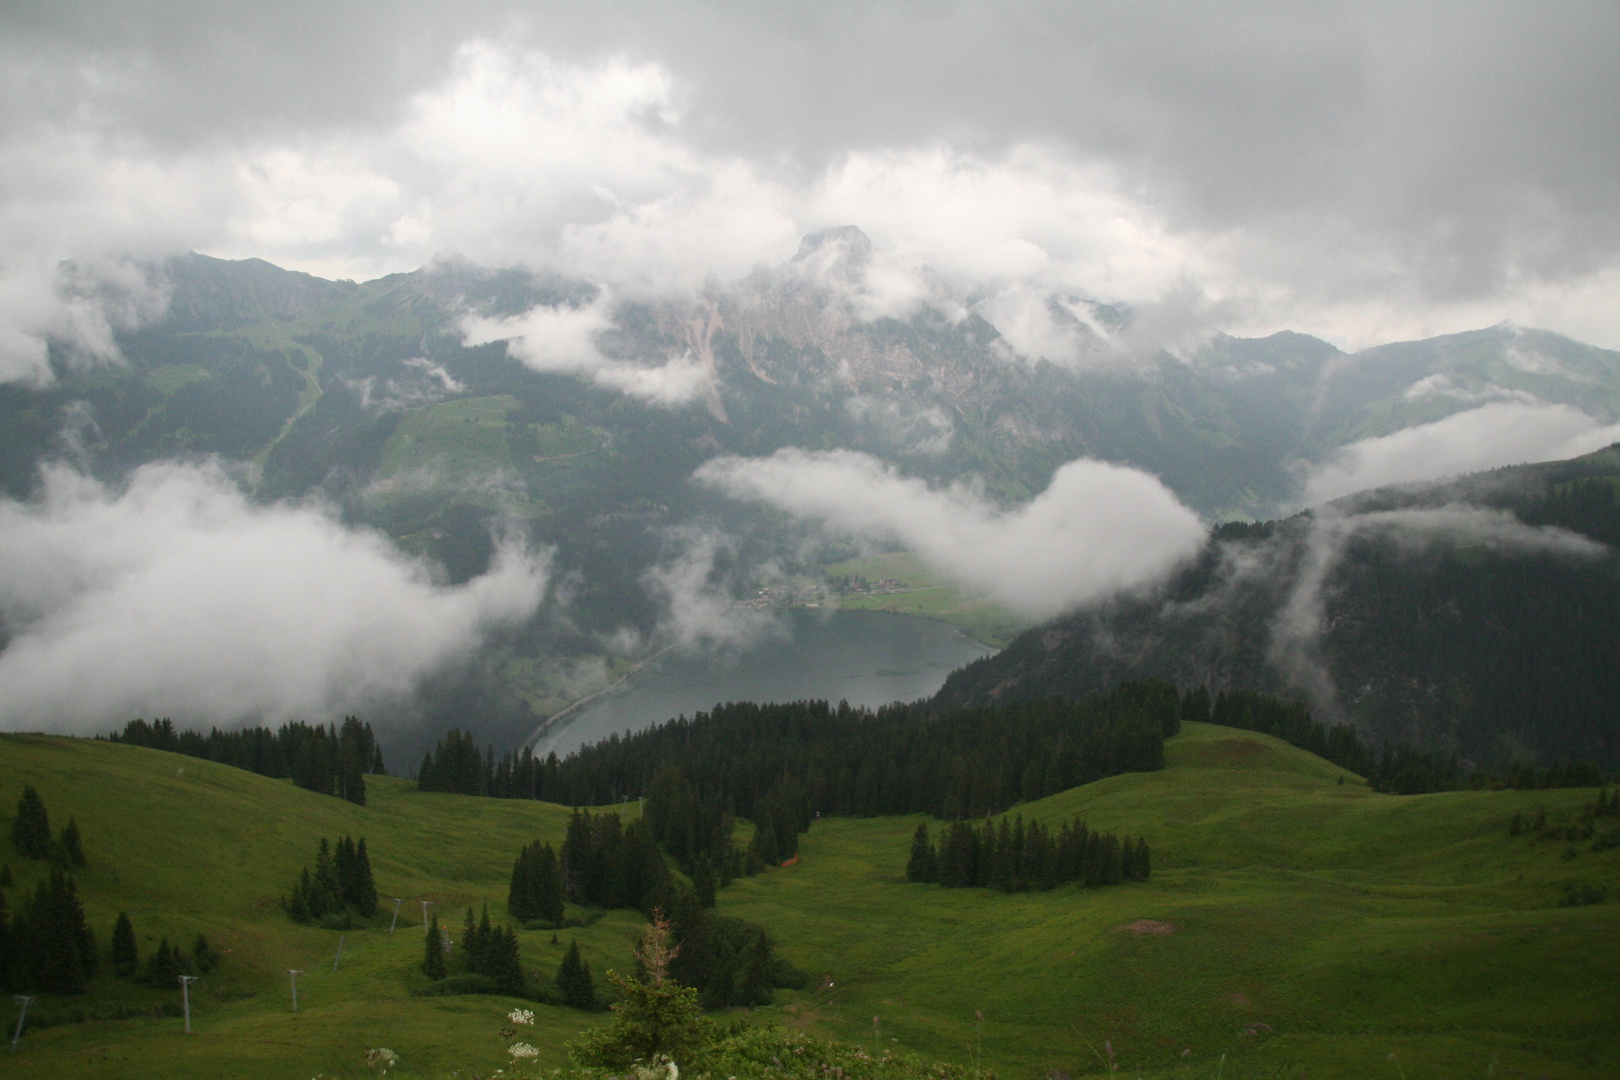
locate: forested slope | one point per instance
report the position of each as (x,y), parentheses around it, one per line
(1476,617)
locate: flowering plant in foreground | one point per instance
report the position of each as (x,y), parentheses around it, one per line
(521,1016)
(521,1051)
(380,1057)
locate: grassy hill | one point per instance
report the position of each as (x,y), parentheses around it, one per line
(1303,927)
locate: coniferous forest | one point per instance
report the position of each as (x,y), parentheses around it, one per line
(897,759)
(330,760)
(1013,856)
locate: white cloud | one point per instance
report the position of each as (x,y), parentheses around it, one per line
(698,607)
(1501,433)
(1297,630)
(562,340)
(176,597)
(1096,530)
(1202,181)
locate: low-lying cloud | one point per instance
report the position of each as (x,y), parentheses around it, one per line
(562,340)
(177,597)
(1096,530)
(1297,630)
(699,607)
(1501,433)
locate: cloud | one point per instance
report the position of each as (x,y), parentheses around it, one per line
(697,596)
(176,597)
(1367,172)
(562,340)
(1501,433)
(1096,530)
(1297,629)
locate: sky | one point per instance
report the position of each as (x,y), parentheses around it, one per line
(1366,171)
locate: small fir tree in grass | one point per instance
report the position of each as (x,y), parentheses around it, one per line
(365,886)
(71,845)
(31,828)
(921,866)
(54,948)
(433,962)
(126,960)
(164,966)
(203,955)
(655,1015)
(504,964)
(574,980)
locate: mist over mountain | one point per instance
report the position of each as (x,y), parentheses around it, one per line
(652,459)
(1472,617)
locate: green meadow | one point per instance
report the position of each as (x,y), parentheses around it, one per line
(1294,925)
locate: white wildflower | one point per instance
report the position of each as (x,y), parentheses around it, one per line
(521,1016)
(381,1057)
(521,1050)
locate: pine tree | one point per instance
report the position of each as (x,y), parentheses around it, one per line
(165,967)
(433,963)
(574,981)
(71,845)
(703,882)
(523,893)
(365,902)
(125,954)
(920,866)
(203,955)
(549,885)
(505,965)
(31,829)
(763,846)
(56,950)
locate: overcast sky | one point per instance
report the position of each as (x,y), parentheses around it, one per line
(1367,172)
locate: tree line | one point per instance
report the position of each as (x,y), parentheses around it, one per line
(332,760)
(1012,856)
(853,762)
(1394,768)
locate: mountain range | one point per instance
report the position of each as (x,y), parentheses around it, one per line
(448,406)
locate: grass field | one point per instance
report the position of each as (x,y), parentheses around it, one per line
(1318,929)
(930,596)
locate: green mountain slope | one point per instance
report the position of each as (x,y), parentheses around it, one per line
(1434,614)
(1317,928)
(363,395)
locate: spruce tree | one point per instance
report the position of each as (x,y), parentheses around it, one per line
(31,829)
(505,965)
(165,966)
(574,981)
(549,885)
(58,951)
(433,963)
(365,885)
(522,903)
(919,867)
(763,846)
(125,954)
(71,845)
(203,955)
